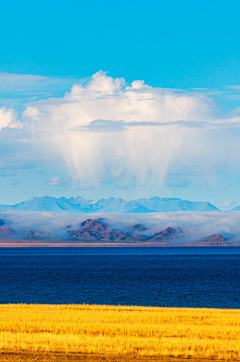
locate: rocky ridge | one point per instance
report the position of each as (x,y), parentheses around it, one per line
(99,231)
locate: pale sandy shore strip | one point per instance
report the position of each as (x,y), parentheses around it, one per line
(33,243)
(11,243)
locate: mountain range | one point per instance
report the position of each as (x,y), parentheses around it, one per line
(98,230)
(237,208)
(80,205)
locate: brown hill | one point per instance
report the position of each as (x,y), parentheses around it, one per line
(36,235)
(138,227)
(214,238)
(164,235)
(90,230)
(95,231)
(4,230)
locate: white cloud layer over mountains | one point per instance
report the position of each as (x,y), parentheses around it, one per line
(111,133)
(194,225)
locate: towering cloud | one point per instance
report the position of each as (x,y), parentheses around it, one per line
(111,133)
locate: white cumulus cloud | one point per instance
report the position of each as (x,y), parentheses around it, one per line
(8,118)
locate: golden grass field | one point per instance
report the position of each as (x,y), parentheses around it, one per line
(100,333)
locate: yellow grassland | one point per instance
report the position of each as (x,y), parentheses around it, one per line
(108,330)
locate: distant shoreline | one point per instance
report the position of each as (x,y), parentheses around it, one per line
(8,243)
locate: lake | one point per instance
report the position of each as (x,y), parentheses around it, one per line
(145,276)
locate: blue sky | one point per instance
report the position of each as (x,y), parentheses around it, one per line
(178,44)
(52,137)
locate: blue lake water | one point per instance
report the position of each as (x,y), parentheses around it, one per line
(169,277)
